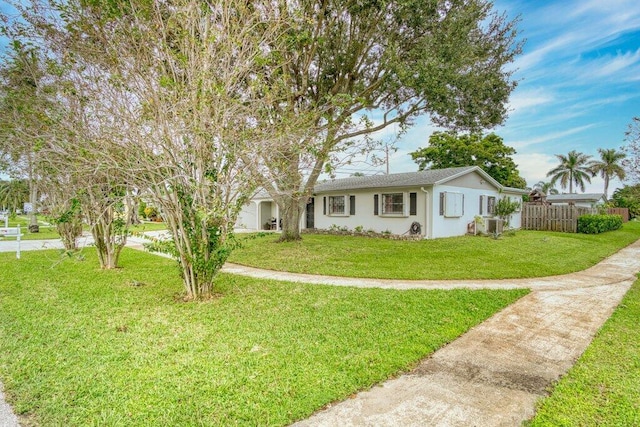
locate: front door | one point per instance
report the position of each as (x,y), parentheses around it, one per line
(310,213)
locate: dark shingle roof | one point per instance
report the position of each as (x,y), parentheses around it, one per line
(408,179)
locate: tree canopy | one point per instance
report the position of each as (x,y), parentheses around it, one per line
(573,169)
(448,149)
(609,166)
(628,197)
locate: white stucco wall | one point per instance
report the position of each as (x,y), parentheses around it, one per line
(364,216)
(255,214)
(444,226)
(432,225)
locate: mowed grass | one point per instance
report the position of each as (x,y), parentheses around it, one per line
(525,254)
(49,232)
(603,388)
(80,346)
(46,232)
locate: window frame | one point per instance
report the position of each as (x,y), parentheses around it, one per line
(399,213)
(331,205)
(491,205)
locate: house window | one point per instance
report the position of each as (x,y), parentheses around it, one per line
(393,204)
(451,204)
(487,205)
(336,205)
(491,205)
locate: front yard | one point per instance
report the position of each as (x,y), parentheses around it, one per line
(80,346)
(525,254)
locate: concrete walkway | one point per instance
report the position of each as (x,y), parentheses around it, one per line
(493,374)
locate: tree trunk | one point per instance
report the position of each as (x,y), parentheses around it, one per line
(108,242)
(33,198)
(606,187)
(69,233)
(291,210)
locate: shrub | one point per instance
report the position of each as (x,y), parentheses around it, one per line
(594,224)
(151,212)
(142,206)
(628,197)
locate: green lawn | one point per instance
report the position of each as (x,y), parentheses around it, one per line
(603,388)
(525,254)
(80,346)
(48,232)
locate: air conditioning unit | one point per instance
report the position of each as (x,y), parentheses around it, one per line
(494,225)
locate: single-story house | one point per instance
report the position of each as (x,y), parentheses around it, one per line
(433,203)
(586,200)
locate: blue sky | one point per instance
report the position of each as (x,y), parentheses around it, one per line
(579,84)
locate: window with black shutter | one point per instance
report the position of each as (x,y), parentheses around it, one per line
(413,203)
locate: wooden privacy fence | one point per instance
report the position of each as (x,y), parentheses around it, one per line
(553,218)
(623,212)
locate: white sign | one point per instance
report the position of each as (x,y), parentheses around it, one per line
(28,207)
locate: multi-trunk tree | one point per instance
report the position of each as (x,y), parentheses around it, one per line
(160,97)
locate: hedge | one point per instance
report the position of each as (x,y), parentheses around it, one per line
(594,224)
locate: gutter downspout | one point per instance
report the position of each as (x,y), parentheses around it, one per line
(427,229)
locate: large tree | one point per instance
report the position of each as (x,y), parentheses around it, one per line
(24,122)
(160,96)
(573,169)
(13,194)
(448,149)
(351,68)
(631,163)
(609,166)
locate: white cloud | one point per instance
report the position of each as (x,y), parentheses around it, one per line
(522,101)
(549,137)
(624,66)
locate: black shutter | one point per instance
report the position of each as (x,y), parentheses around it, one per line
(413,203)
(480,210)
(375,204)
(324,206)
(352,205)
(441,203)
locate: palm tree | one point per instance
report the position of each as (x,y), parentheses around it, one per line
(13,194)
(546,187)
(608,167)
(573,169)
